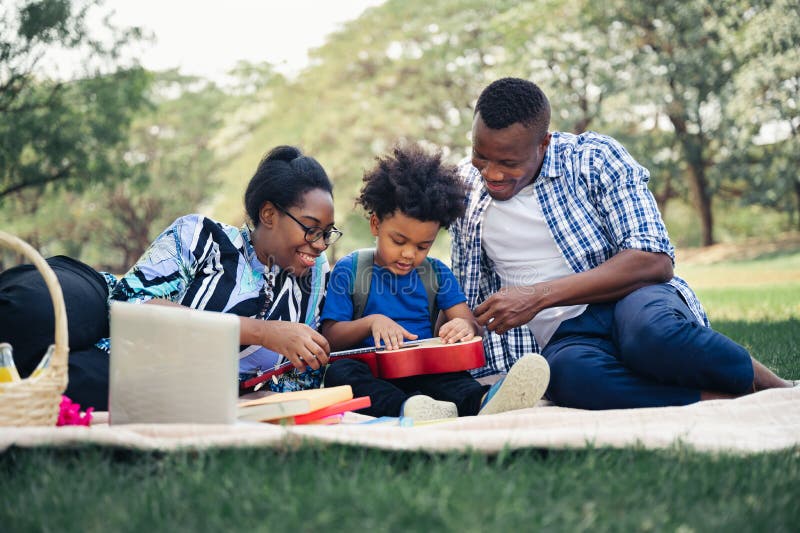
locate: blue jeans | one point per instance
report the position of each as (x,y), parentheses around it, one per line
(645,350)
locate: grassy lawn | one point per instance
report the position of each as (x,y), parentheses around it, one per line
(341,488)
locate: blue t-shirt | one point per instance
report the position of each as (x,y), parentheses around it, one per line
(401,298)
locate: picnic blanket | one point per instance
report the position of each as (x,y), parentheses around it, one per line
(766,421)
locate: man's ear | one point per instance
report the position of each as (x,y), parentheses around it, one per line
(374,222)
(546,141)
(267,214)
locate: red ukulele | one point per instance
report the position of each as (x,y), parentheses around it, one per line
(427,356)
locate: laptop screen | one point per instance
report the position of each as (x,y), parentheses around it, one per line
(172,365)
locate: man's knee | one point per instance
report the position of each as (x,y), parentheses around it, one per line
(648,318)
(573,378)
(649,299)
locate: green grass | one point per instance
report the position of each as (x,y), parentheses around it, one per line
(769,303)
(346,489)
(732,222)
(338,488)
(770,268)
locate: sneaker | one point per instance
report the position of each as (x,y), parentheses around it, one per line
(523,387)
(421,407)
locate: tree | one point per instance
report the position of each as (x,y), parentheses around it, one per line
(60,132)
(171,155)
(686,60)
(663,78)
(765,161)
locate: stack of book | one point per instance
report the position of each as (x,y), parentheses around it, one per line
(314,406)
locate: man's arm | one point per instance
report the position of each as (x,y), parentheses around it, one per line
(619,276)
(617,186)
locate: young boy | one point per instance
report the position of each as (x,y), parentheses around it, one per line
(409,196)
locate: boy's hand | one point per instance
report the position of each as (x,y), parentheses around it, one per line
(389,332)
(456,330)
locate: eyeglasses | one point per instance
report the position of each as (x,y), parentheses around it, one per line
(315,233)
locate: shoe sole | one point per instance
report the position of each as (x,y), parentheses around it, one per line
(422,407)
(523,387)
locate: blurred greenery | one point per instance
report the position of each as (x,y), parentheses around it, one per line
(705,94)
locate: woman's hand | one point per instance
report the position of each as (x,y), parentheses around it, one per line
(297,342)
(390,332)
(456,330)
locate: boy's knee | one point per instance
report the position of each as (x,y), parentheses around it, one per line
(343,371)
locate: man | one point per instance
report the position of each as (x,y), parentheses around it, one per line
(562,250)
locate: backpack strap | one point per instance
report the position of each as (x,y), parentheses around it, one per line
(430,280)
(362,280)
(317,290)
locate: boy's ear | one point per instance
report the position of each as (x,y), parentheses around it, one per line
(374,222)
(267,214)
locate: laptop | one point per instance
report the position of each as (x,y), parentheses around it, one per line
(172,365)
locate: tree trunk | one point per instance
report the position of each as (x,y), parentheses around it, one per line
(664,196)
(701,201)
(797,198)
(692,146)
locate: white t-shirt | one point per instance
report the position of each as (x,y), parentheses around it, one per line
(517,239)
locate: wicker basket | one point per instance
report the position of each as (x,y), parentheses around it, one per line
(35,401)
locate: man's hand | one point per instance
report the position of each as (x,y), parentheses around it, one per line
(510,307)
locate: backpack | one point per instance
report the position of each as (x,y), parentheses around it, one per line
(362,280)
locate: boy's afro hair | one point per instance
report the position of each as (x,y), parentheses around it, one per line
(416,183)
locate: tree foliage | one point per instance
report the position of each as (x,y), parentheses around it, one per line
(56,131)
(170,156)
(704,94)
(664,78)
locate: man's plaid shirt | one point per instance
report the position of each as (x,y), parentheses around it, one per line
(595,199)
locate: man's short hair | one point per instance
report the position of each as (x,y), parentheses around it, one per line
(510,100)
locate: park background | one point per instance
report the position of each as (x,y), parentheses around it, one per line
(98,154)
(99,157)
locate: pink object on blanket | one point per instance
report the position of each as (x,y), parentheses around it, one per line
(69,414)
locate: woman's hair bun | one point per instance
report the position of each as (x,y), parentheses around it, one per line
(283,153)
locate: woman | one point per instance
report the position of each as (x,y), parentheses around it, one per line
(272,275)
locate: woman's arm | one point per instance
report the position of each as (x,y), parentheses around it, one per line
(297,342)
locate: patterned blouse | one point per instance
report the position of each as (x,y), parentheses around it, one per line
(204,264)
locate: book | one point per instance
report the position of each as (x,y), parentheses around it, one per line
(336,409)
(327,421)
(402,421)
(285,404)
(273,410)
